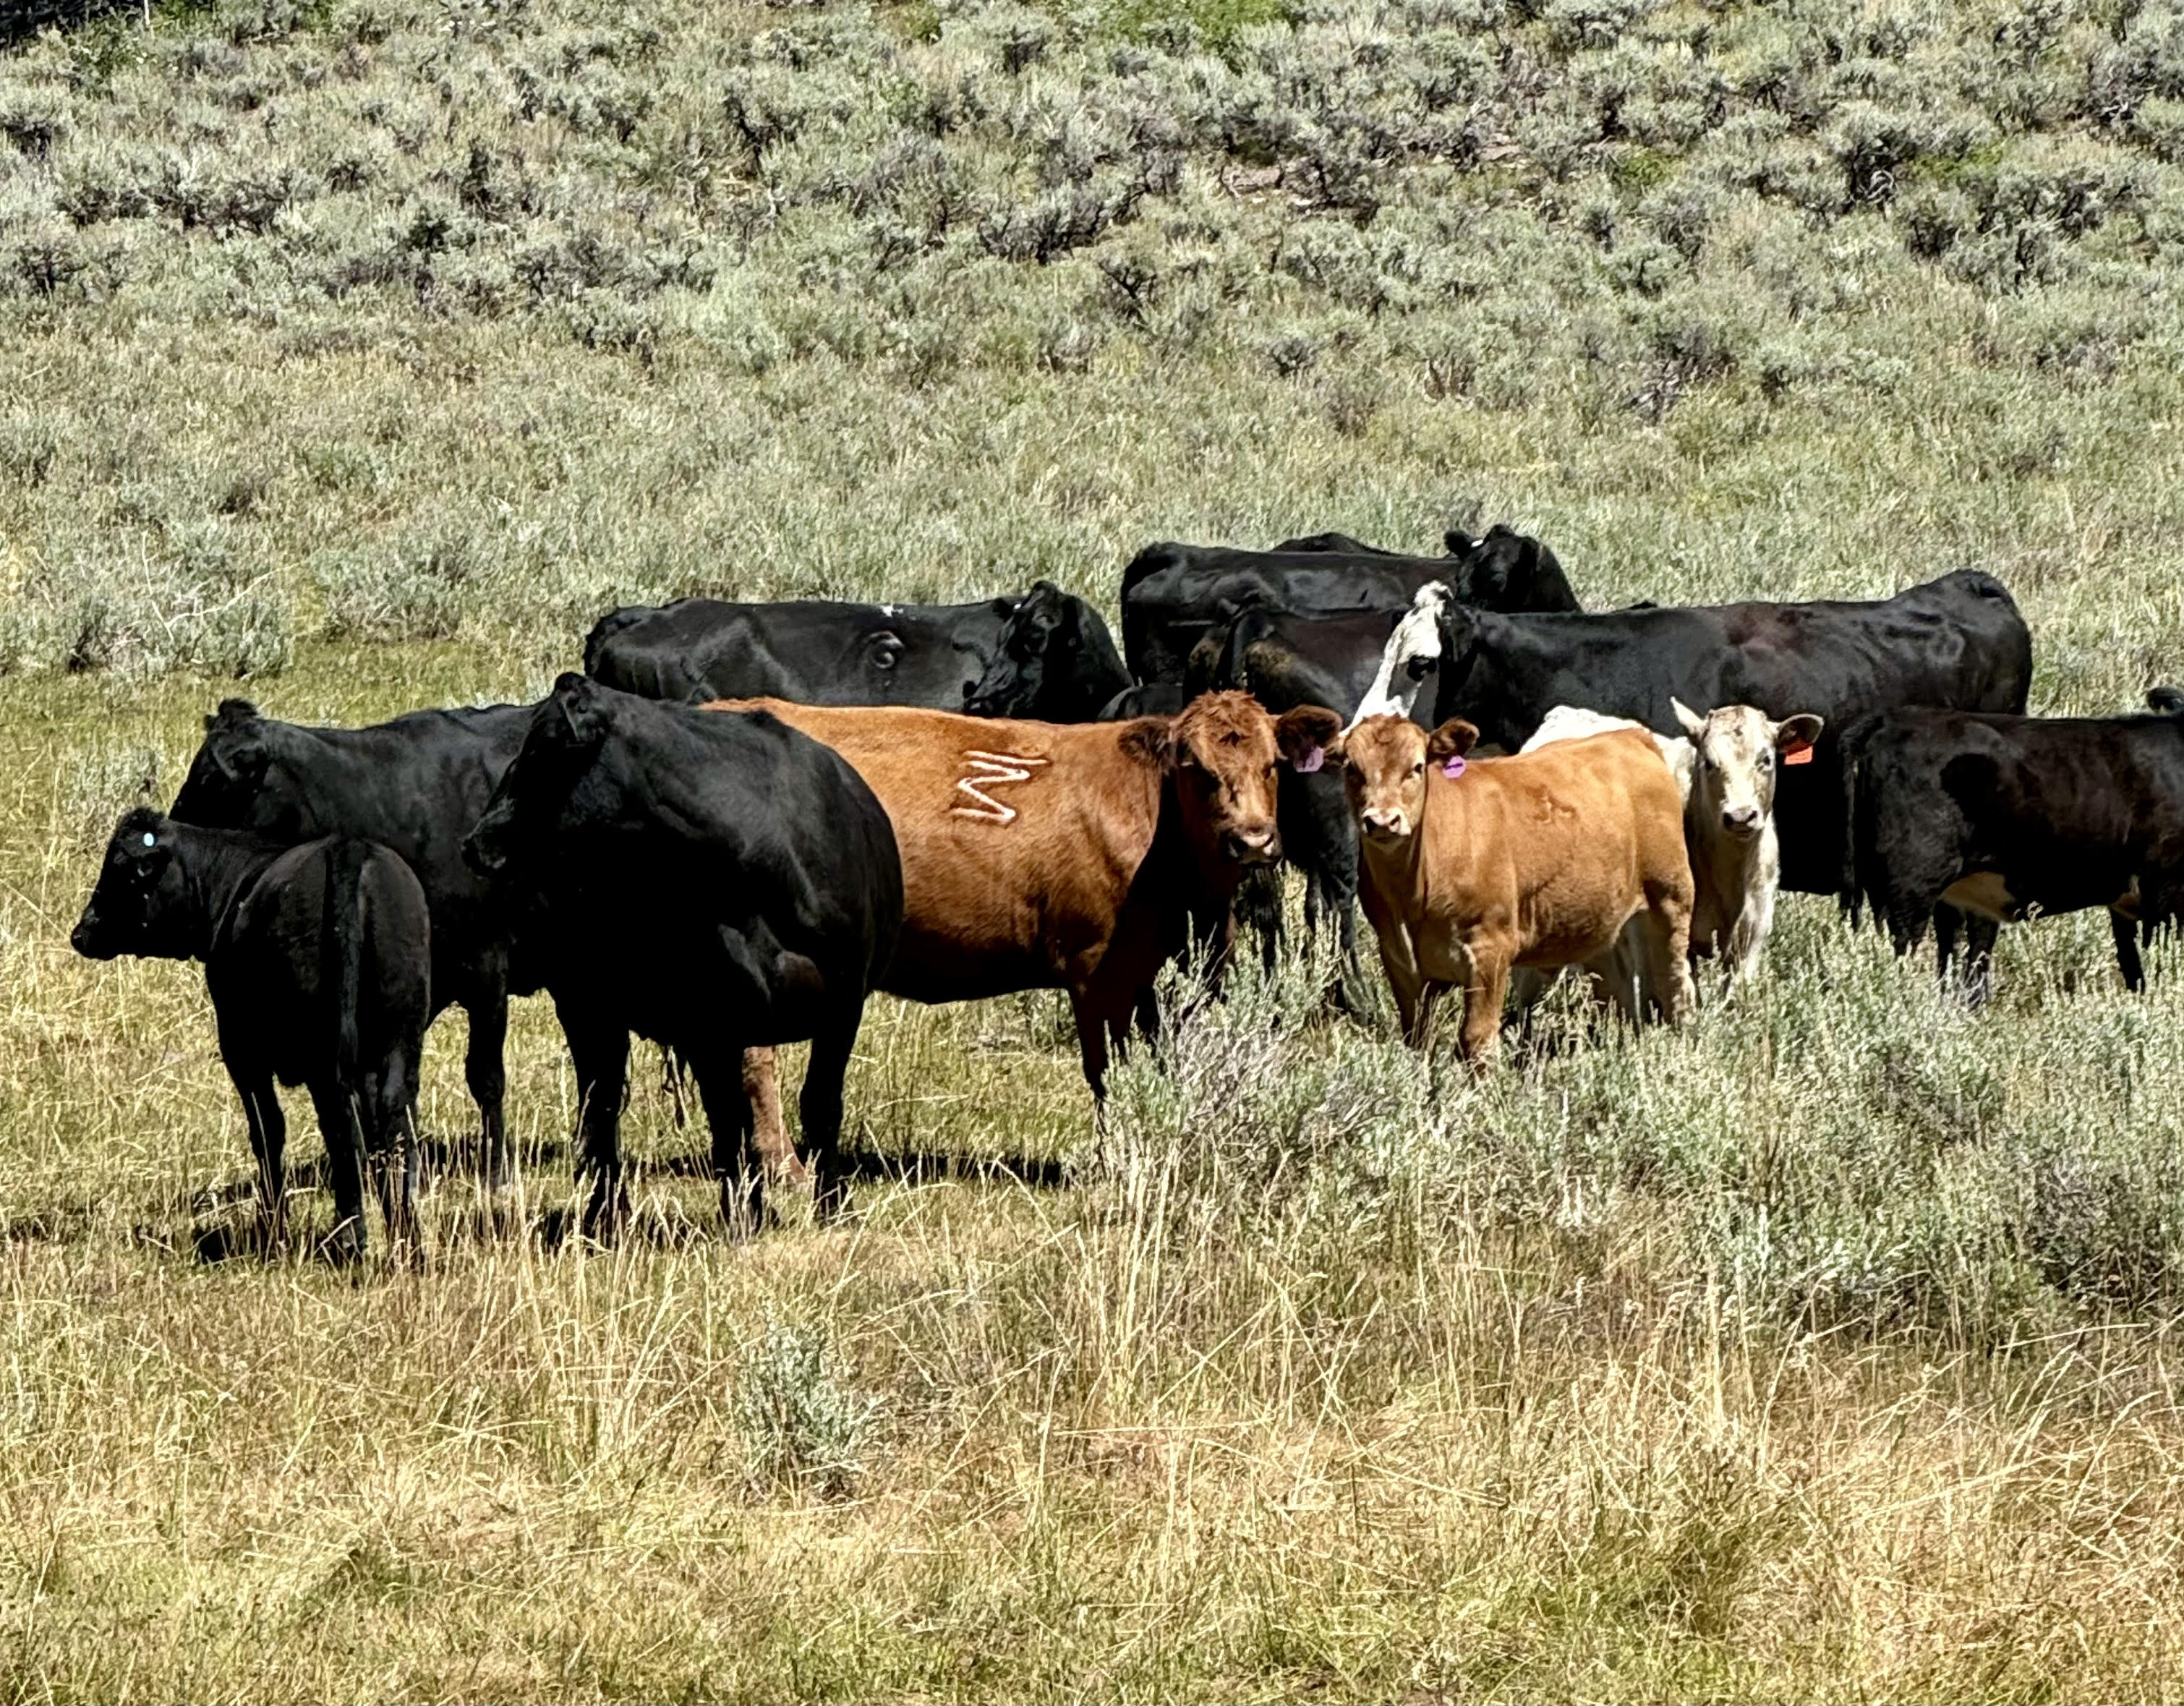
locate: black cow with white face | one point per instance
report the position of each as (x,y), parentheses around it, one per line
(1958,642)
(416,785)
(318,958)
(1044,654)
(712,880)
(1998,818)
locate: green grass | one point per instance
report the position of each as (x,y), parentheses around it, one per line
(358,358)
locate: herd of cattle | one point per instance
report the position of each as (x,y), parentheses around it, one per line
(742,819)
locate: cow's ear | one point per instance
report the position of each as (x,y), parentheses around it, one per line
(1693,724)
(1457,542)
(1798,734)
(1452,739)
(1308,735)
(233,713)
(241,758)
(1150,741)
(578,696)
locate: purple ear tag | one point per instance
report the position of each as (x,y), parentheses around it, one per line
(1454,767)
(1313,758)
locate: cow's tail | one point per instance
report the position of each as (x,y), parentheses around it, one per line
(342,935)
(1850,751)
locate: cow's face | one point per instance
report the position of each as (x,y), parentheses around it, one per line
(1052,662)
(226,786)
(1384,761)
(139,905)
(1735,753)
(1014,682)
(1227,755)
(563,742)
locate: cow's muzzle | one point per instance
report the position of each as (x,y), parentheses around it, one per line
(1383,826)
(86,940)
(1742,821)
(1251,846)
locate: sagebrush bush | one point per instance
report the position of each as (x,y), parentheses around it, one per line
(1514,200)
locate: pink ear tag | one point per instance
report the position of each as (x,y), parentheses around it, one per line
(1454,767)
(1314,757)
(1802,753)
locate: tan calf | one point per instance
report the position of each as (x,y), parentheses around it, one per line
(1472,867)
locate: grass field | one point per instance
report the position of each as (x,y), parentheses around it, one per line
(355,355)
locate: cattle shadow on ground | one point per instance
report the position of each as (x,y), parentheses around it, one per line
(223,1224)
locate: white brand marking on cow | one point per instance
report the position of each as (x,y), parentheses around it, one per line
(990,770)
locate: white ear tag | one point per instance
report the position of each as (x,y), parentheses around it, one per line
(150,839)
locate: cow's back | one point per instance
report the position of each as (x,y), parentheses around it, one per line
(813,651)
(730,833)
(1018,840)
(1568,837)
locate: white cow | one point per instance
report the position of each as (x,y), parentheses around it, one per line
(1412,649)
(1726,766)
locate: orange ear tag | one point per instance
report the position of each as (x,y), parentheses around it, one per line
(1799,754)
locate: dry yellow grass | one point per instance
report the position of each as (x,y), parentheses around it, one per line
(1168,1432)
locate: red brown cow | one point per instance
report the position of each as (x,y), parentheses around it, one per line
(1473,866)
(1075,856)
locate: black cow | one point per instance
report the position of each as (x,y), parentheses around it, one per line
(1054,662)
(318,959)
(815,651)
(1958,642)
(1997,818)
(712,880)
(1173,593)
(417,785)
(1339,544)
(1284,660)
(1149,699)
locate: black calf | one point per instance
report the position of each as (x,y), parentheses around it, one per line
(318,959)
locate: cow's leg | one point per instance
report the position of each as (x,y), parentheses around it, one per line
(1399,960)
(1483,993)
(1948,925)
(269,1140)
(599,1052)
(819,1107)
(1146,1010)
(340,1124)
(485,1075)
(1618,981)
(736,1162)
(770,1131)
(1747,946)
(1092,1017)
(394,1145)
(1664,957)
(1980,933)
(674,1069)
(2126,932)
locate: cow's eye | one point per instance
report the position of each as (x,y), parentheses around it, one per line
(1416,668)
(885,657)
(1419,768)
